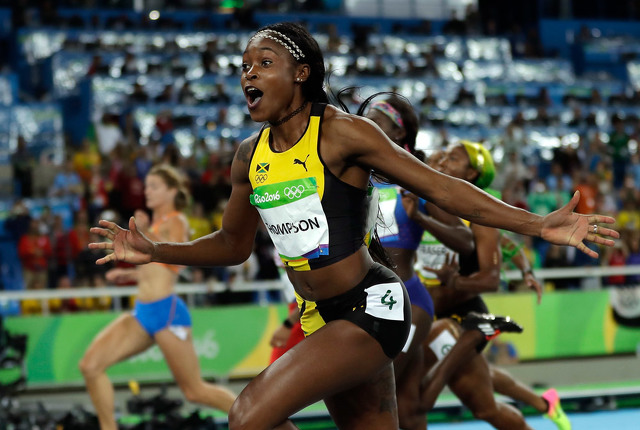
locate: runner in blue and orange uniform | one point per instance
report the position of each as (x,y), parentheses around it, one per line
(159,317)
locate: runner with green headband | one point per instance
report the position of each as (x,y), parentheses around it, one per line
(475,380)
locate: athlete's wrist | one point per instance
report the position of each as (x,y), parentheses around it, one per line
(154,251)
(453,280)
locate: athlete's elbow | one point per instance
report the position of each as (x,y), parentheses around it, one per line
(239,253)
(488,282)
(237,248)
(493,283)
(466,248)
(237,258)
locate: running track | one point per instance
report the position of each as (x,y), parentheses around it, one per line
(624,419)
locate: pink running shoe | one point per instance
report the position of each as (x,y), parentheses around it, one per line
(555,412)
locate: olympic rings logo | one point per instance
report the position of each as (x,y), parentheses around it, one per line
(260,178)
(294,192)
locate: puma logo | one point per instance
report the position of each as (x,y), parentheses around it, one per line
(302,163)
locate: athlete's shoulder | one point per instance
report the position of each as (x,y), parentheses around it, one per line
(242,159)
(179,219)
(246,147)
(182,223)
(172,228)
(182,218)
(340,124)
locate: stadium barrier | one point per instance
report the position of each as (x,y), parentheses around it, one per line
(188,290)
(232,341)
(593,273)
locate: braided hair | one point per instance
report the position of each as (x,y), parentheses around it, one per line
(304,50)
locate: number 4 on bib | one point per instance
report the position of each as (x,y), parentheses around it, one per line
(386,301)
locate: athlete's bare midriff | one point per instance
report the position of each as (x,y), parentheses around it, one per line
(403,259)
(155,282)
(332,280)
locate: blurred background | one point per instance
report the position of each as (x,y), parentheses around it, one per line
(95,92)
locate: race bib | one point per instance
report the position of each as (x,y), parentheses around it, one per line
(386,301)
(430,253)
(388,200)
(293,215)
(442,344)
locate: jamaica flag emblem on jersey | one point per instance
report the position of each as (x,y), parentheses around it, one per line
(262,171)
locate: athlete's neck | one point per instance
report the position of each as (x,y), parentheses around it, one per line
(287,135)
(287,117)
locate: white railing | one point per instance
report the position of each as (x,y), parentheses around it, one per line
(192,289)
(595,272)
(188,290)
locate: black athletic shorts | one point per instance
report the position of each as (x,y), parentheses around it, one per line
(458,312)
(379,305)
(475,304)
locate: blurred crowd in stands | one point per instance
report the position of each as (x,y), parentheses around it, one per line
(45,13)
(103,176)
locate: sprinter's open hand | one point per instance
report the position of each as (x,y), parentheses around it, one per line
(130,246)
(565,227)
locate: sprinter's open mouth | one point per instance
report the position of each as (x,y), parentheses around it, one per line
(253,95)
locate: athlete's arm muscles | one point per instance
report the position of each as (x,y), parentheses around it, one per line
(233,243)
(487,278)
(450,230)
(365,144)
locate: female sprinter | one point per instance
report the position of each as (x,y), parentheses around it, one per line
(400,236)
(475,380)
(306,173)
(159,317)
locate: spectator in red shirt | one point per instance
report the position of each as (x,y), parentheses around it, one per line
(34,250)
(131,190)
(63,252)
(617,256)
(79,233)
(98,189)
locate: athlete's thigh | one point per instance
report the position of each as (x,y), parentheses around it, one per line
(420,327)
(121,339)
(335,358)
(415,370)
(370,405)
(180,355)
(472,384)
(408,386)
(438,343)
